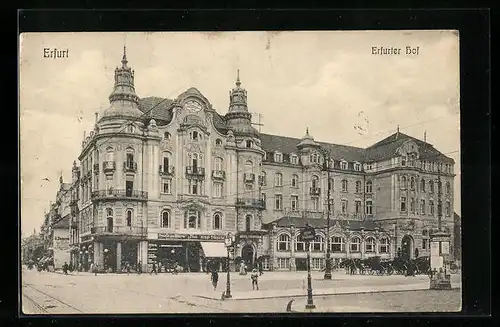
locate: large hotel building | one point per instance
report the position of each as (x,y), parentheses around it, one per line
(163,179)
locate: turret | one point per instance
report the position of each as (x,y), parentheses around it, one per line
(238,117)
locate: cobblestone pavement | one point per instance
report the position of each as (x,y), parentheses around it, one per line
(167,293)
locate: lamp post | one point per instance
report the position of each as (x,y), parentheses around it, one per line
(229,242)
(328,265)
(308,235)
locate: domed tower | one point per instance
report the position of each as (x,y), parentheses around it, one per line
(123,99)
(248,159)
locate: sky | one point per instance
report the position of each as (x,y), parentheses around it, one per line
(328,81)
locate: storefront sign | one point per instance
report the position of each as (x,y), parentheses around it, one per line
(445,247)
(194,237)
(434,248)
(152,250)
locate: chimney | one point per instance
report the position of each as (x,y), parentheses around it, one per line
(96,117)
(397,133)
(425,136)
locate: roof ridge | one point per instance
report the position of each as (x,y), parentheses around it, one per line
(319,142)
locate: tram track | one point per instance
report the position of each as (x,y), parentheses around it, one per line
(63,304)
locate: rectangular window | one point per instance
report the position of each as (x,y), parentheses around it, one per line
(317,263)
(422,207)
(129,186)
(217,190)
(431,207)
(358,206)
(368,166)
(357,167)
(283,263)
(263,198)
(194,187)
(412,205)
(278,202)
(278,157)
(295,203)
(344,206)
(403,161)
(369,207)
(166,186)
(448,208)
(249,187)
(343,165)
(424,244)
(315,204)
(265,264)
(403,204)
(293,160)
(344,185)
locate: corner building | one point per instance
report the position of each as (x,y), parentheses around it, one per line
(163,179)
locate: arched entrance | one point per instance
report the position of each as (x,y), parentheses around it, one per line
(247,255)
(407,247)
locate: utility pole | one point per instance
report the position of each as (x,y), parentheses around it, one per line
(328,266)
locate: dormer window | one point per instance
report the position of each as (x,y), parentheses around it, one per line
(248,143)
(195,135)
(343,165)
(218,142)
(278,157)
(369,166)
(403,161)
(314,158)
(166,136)
(293,159)
(357,167)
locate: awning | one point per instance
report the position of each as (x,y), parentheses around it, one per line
(214,249)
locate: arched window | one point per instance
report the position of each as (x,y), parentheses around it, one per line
(166,136)
(370,245)
(358,187)
(431,186)
(300,244)
(165,219)
(194,135)
(166,162)
(448,188)
(248,167)
(217,223)
(248,143)
(295,181)
(192,219)
(129,218)
(278,179)
(337,244)
(218,163)
(218,142)
(110,155)
(129,157)
(355,244)
(194,160)
(248,223)
(109,214)
(318,243)
(422,185)
(403,182)
(315,182)
(283,242)
(384,245)
(412,183)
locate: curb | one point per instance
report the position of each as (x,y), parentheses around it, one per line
(316,295)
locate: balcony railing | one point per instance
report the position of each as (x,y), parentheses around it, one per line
(218,174)
(314,191)
(130,166)
(249,202)
(108,166)
(96,168)
(195,171)
(308,213)
(249,178)
(119,230)
(119,194)
(167,171)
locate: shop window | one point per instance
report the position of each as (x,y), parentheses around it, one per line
(284,242)
(317,263)
(384,245)
(300,244)
(355,244)
(337,244)
(370,245)
(317,244)
(283,263)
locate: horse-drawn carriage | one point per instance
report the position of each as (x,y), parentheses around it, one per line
(376,266)
(171,266)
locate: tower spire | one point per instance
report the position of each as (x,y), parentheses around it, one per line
(307,130)
(124,58)
(238,82)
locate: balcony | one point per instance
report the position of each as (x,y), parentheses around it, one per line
(196,172)
(119,230)
(130,166)
(167,171)
(119,194)
(108,166)
(219,174)
(308,213)
(316,191)
(96,168)
(251,203)
(262,180)
(249,178)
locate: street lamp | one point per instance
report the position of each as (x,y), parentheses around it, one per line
(229,242)
(308,235)
(328,265)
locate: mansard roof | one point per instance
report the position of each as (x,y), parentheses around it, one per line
(161,113)
(319,223)
(284,144)
(386,149)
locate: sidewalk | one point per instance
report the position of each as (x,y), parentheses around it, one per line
(287,293)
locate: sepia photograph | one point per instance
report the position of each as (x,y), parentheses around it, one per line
(240,172)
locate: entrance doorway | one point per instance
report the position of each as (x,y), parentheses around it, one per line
(301,264)
(407,245)
(247,255)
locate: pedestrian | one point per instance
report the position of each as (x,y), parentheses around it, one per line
(96,267)
(127,267)
(153,269)
(261,269)
(139,268)
(65,268)
(255,282)
(215,278)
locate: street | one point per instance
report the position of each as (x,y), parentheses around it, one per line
(55,293)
